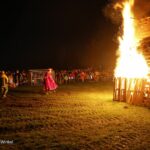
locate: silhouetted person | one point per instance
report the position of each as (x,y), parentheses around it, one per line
(17,78)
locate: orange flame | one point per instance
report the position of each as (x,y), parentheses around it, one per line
(130,63)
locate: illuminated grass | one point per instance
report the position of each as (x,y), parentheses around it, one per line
(77,116)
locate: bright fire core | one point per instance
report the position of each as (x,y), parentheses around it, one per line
(130,63)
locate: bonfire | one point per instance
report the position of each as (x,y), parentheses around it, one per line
(131,70)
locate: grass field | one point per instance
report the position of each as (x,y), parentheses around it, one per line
(79,116)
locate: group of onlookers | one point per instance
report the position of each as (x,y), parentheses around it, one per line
(71,76)
(81,75)
(57,77)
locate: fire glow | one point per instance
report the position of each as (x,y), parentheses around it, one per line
(130,63)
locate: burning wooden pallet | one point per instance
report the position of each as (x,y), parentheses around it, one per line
(131,90)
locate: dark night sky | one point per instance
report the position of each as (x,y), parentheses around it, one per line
(58,34)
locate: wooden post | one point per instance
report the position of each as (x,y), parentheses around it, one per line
(116,91)
(123,90)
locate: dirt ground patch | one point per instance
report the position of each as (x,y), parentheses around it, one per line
(78,116)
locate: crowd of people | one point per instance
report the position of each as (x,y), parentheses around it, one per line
(81,75)
(51,79)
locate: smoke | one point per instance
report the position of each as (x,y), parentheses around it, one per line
(112,11)
(142,8)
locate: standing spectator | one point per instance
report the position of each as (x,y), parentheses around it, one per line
(4,84)
(96,75)
(11,81)
(66,78)
(17,78)
(49,82)
(82,76)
